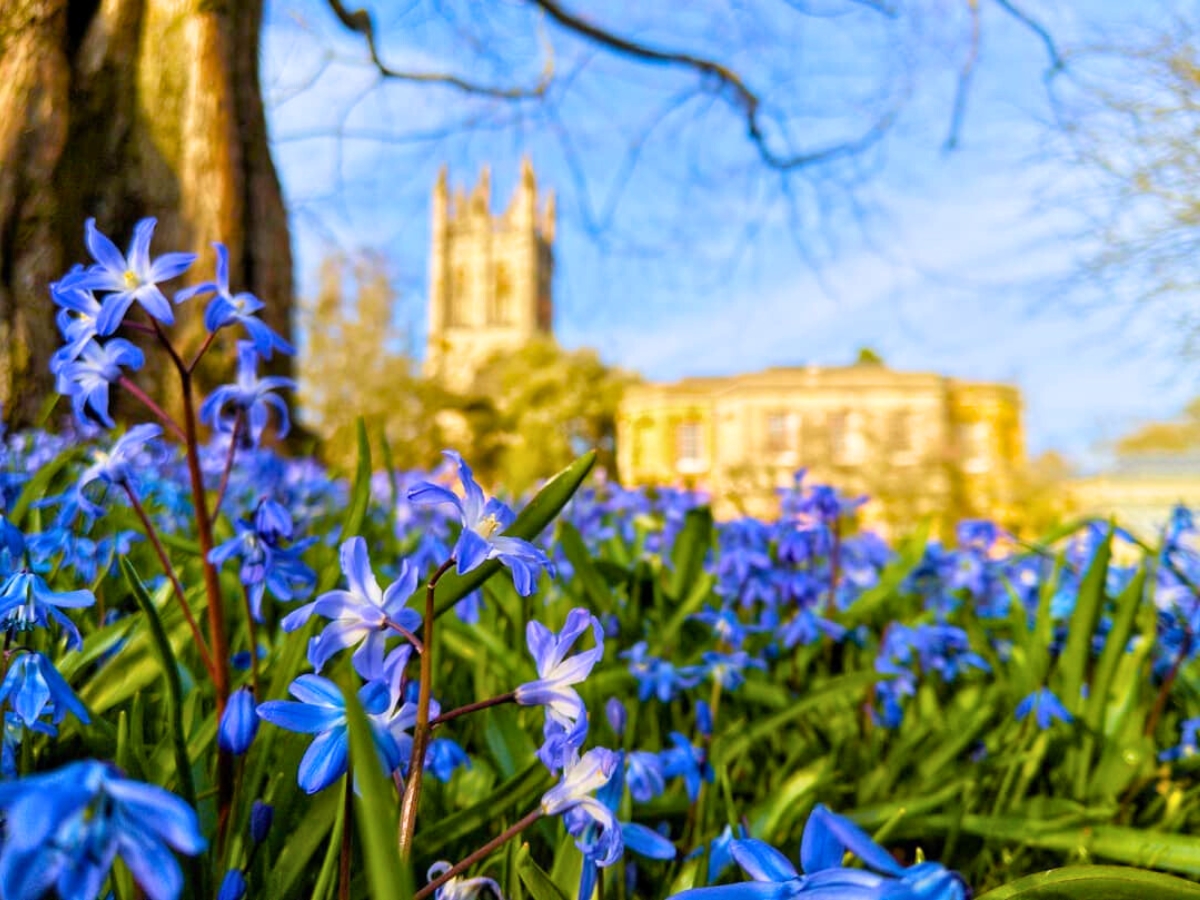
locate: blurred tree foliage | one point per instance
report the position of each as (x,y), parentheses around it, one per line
(356,362)
(528,413)
(537,409)
(1179,436)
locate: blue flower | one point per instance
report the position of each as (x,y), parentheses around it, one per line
(361,615)
(828,837)
(117,465)
(443,757)
(265,565)
(638,838)
(250,396)
(483,524)
(459,888)
(76,319)
(239,724)
(130,279)
(720,851)
(658,677)
(556,671)
(617,715)
(64,828)
(645,776)
(1187,746)
(686,762)
(775,878)
(233,885)
(1045,706)
(33,687)
(322,711)
(229,309)
(262,815)
(587,819)
(26,602)
(86,380)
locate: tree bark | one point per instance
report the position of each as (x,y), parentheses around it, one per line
(121,109)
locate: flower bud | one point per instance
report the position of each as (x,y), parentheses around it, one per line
(261,817)
(239,724)
(617,716)
(233,887)
(704,718)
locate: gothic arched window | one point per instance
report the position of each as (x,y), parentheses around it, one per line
(500,312)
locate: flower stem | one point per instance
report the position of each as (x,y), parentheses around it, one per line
(417,643)
(233,442)
(200,353)
(347,851)
(445,717)
(159,413)
(169,570)
(491,846)
(416,765)
(218,638)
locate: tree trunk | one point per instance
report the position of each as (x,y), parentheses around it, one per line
(120,109)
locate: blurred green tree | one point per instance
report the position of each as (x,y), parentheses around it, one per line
(357,363)
(535,410)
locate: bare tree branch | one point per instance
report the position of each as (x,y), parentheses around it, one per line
(965,75)
(732,86)
(359,21)
(1057,63)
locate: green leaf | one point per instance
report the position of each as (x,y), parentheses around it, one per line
(586,573)
(536,880)
(1096,883)
(517,792)
(890,579)
(39,485)
(1115,646)
(841,691)
(1082,626)
(360,493)
(375,809)
(170,671)
(691,547)
(530,522)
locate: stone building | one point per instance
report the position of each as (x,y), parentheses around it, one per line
(489,275)
(919,444)
(1140,491)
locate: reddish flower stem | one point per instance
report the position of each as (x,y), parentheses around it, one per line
(416,766)
(169,570)
(486,850)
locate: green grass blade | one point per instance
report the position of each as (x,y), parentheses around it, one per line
(1096,883)
(376,811)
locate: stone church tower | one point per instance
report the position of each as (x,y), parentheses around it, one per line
(489,276)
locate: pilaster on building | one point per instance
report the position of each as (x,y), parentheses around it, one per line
(490,275)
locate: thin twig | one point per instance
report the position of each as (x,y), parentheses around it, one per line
(421,732)
(510,697)
(360,21)
(159,413)
(169,570)
(233,442)
(487,849)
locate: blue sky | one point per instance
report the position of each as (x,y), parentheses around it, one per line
(699,265)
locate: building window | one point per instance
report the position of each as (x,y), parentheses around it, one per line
(500,312)
(847,446)
(901,438)
(457,301)
(642,433)
(779,438)
(689,448)
(976,445)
